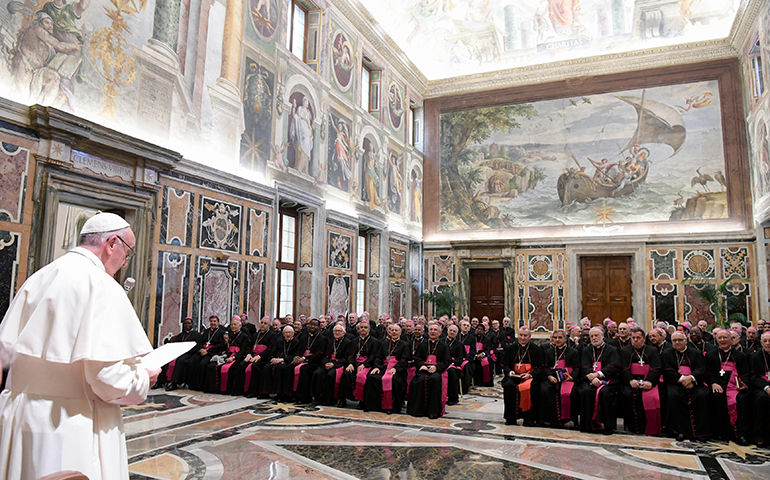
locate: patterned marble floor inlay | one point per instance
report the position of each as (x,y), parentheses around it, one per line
(185,435)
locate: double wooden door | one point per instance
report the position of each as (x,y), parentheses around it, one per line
(606,285)
(487,293)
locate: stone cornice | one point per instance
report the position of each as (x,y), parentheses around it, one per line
(370,29)
(744,23)
(584,67)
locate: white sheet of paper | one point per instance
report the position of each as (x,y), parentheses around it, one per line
(162,355)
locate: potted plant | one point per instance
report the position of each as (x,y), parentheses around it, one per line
(722,301)
(444,299)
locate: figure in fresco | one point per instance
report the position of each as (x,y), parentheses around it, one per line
(370,190)
(563,15)
(396,104)
(338,296)
(258,118)
(264,16)
(342,53)
(395,182)
(764,159)
(301,134)
(415,214)
(339,154)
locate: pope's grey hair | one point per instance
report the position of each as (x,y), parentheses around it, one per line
(96,239)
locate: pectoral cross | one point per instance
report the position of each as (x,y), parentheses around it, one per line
(641,361)
(596,366)
(722,372)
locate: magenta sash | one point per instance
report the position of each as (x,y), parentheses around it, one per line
(484,363)
(387,385)
(685,370)
(731,392)
(257,350)
(467,349)
(170,369)
(296,371)
(597,368)
(226,368)
(565,390)
(650,401)
(431,361)
(410,373)
(767,376)
(360,379)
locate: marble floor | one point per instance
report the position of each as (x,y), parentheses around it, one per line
(188,435)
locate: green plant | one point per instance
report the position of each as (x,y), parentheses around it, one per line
(725,305)
(444,300)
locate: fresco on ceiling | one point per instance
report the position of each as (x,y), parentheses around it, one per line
(339,171)
(448,38)
(301,137)
(258,86)
(645,155)
(372,173)
(343,59)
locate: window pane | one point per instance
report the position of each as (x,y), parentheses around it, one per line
(365,80)
(361,255)
(289,24)
(360,296)
(287,293)
(287,238)
(298,33)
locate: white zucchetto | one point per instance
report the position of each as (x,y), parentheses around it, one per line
(104,222)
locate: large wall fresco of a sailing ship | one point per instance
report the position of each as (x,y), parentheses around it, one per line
(638,155)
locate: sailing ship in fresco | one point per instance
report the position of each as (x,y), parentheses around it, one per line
(658,123)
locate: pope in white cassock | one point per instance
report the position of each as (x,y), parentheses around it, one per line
(73,342)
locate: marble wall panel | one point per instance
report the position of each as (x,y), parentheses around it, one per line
(397,262)
(443,269)
(340,251)
(254,293)
(257,233)
(216,290)
(540,268)
(541,308)
(699,263)
(9,265)
(172,294)
(304,294)
(219,225)
(176,217)
(374,298)
(734,264)
(374,255)
(14,165)
(696,308)
(306,239)
(664,297)
(397,298)
(663,264)
(338,288)
(537,282)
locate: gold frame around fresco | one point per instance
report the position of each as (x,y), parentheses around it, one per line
(725,72)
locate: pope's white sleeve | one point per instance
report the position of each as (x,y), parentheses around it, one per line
(121,383)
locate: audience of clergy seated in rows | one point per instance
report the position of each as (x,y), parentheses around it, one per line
(683,381)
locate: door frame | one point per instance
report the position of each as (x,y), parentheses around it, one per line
(465,265)
(636,250)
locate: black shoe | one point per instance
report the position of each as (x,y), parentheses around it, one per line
(742,441)
(608,431)
(761,444)
(680,438)
(342,403)
(171,386)
(509,421)
(433,417)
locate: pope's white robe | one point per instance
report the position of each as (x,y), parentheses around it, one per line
(73,341)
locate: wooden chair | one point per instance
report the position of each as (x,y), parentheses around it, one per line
(65,475)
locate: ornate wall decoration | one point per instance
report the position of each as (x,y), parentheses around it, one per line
(339,163)
(220,225)
(395,169)
(699,263)
(444,268)
(663,264)
(374,298)
(14,165)
(374,255)
(343,58)
(521,268)
(396,107)
(306,233)
(217,290)
(176,217)
(340,250)
(734,262)
(541,308)
(304,295)
(257,233)
(258,89)
(664,297)
(397,263)
(696,308)
(560,275)
(301,134)
(371,172)
(397,299)
(9,265)
(173,287)
(540,268)
(263,17)
(338,294)
(254,294)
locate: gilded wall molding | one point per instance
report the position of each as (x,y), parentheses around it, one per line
(745,23)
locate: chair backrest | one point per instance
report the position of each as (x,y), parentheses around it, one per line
(65,475)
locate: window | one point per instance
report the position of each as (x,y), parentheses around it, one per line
(370,86)
(297,30)
(413,125)
(366,78)
(361,278)
(755,67)
(286,267)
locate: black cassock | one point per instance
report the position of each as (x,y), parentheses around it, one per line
(313,348)
(459,370)
(428,391)
(554,396)
(759,364)
(642,409)
(219,378)
(247,376)
(484,368)
(469,344)
(274,373)
(362,351)
(522,396)
(686,409)
(195,368)
(391,355)
(728,409)
(327,382)
(170,372)
(604,359)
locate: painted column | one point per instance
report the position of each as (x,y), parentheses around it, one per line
(231,43)
(510,28)
(618,17)
(165,27)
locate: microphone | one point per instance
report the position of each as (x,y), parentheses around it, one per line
(129,284)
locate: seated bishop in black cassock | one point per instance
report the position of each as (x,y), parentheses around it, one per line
(640,397)
(559,399)
(213,344)
(459,371)
(600,364)
(281,357)
(169,370)
(327,380)
(728,371)
(218,377)
(687,389)
(310,352)
(428,390)
(759,364)
(361,353)
(385,387)
(522,373)
(247,377)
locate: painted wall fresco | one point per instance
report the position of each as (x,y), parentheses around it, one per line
(449,39)
(645,155)
(301,134)
(258,94)
(675,274)
(343,60)
(395,169)
(371,172)
(339,166)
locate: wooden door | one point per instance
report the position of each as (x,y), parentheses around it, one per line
(606,285)
(487,293)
